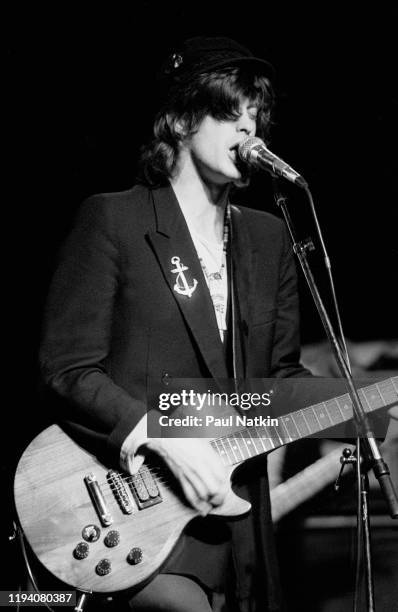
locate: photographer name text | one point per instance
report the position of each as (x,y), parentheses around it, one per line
(232,420)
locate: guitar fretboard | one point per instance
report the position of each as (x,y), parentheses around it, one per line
(252,441)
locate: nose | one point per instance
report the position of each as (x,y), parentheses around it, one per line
(246,124)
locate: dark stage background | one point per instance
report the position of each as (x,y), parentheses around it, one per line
(80,95)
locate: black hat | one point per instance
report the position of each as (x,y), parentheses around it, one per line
(202,54)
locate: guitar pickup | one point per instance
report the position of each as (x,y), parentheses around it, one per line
(144,488)
(98,500)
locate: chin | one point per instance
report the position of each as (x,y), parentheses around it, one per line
(243,180)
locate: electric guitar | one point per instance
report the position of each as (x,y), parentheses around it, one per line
(105,531)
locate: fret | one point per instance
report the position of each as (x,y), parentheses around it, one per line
(248,448)
(301,424)
(394,381)
(315,411)
(266,442)
(387,391)
(345,405)
(323,415)
(250,445)
(217,445)
(290,426)
(364,402)
(267,439)
(312,421)
(214,444)
(225,451)
(372,397)
(288,438)
(242,445)
(237,445)
(377,390)
(260,437)
(230,450)
(333,409)
(233,449)
(277,438)
(252,440)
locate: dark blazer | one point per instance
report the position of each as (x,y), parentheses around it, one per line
(114,325)
(113,320)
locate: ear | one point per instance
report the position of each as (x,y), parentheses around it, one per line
(181,128)
(177,126)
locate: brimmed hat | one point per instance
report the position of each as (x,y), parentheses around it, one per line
(202,54)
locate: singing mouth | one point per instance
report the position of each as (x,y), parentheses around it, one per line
(240,165)
(234,154)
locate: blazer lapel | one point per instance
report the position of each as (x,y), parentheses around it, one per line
(174,249)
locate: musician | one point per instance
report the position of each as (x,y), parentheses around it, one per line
(118,319)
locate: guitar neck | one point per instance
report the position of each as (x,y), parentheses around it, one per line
(248,442)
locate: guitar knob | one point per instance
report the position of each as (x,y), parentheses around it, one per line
(112,539)
(135,556)
(91,533)
(81,551)
(104,567)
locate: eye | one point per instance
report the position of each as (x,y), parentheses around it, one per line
(253,113)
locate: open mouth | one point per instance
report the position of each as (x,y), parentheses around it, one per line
(234,155)
(242,167)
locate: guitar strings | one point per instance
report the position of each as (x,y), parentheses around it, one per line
(223,452)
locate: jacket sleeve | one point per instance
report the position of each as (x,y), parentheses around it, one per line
(286,347)
(77,333)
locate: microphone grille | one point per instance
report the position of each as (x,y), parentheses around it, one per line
(247,145)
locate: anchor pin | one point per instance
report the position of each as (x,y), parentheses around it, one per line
(181,285)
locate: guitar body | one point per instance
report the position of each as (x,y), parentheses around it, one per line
(54,506)
(63,495)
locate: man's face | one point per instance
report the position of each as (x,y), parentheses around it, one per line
(213,147)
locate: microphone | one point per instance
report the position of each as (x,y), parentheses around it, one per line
(254,152)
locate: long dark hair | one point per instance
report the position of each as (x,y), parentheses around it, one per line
(217,93)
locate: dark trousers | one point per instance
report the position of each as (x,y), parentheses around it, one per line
(171,593)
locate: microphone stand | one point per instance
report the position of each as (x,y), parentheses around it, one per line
(367,441)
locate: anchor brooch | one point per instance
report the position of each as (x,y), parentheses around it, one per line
(181,285)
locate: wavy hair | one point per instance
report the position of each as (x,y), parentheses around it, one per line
(217,93)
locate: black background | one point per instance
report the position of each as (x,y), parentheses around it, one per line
(80,96)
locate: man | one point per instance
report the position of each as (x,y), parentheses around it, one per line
(168,280)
